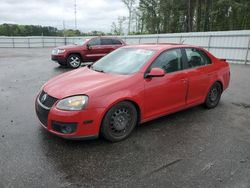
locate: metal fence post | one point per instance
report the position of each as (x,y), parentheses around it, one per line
(42,42)
(157,40)
(29,42)
(248,46)
(13,42)
(139,40)
(65,42)
(180,39)
(55,41)
(209,42)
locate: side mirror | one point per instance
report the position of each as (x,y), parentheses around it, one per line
(155,72)
(89,47)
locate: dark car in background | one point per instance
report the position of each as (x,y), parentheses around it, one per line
(85,50)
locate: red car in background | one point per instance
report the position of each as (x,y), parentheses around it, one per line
(85,50)
(129,86)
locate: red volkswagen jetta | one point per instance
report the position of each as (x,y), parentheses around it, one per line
(131,85)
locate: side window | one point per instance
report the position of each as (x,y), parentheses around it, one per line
(106,42)
(196,58)
(116,42)
(94,42)
(170,61)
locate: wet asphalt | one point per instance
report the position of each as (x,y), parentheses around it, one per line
(191,148)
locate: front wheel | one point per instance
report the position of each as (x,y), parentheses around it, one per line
(213,96)
(119,121)
(74,61)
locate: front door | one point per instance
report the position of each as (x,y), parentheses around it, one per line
(166,94)
(95,51)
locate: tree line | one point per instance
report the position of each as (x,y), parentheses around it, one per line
(158,16)
(171,16)
(37,30)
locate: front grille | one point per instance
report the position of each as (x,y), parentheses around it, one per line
(42,110)
(42,114)
(49,101)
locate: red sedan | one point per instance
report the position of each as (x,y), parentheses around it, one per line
(131,85)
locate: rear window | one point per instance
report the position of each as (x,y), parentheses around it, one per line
(196,57)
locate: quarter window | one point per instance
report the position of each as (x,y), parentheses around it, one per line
(169,61)
(196,58)
(116,42)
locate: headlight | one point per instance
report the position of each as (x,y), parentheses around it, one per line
(59,51)
(54,51)
(73,103)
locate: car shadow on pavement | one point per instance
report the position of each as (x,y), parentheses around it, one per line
(89,160)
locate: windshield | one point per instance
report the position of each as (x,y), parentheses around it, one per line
(81,41)
(123,61)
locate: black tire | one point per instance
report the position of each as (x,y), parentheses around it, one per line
(119,121)
(213,96)
(74,61)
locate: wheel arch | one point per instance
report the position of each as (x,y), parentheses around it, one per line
(76,53)
(212,83)
(138,109)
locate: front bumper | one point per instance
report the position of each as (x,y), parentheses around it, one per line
(87,121)
(59,58)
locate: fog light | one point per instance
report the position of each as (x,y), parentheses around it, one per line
(65,128)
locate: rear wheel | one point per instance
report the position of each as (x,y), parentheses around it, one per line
(119,121)
(74,61)
(213,96)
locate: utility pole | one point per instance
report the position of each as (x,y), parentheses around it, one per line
(64,33)
(189,16)
(75,16)
(63,28)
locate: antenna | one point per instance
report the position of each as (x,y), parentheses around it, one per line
(75,16)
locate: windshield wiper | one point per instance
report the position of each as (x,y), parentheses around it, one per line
(97,70)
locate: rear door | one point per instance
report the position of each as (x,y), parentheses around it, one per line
(107,45)
(168,93)
(199,71)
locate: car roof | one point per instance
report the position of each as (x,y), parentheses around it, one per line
(109,37)
(160,46)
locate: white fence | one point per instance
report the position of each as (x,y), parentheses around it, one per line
(232,45)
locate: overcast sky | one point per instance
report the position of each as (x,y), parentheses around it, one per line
(91,14)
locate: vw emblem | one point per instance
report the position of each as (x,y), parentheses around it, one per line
(44,97)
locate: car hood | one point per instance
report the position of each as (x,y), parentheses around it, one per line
(81,81)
